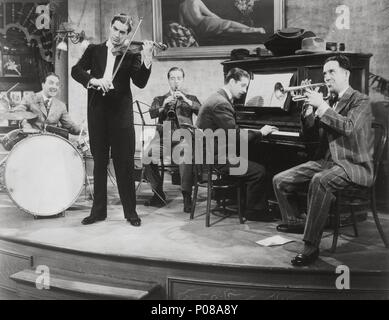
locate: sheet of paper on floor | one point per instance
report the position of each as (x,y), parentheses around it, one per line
(274,241)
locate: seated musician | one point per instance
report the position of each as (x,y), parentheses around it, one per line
(218,113)
(344,157)
(177,107)
(48,109)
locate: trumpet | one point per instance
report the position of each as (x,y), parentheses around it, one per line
(297,92)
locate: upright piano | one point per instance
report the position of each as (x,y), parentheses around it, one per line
(287,147)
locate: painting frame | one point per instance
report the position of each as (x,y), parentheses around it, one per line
(11,64)
(217,51)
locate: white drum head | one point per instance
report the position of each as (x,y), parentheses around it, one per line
(44,174)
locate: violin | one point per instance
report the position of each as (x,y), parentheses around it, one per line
(135,47)
(132,47)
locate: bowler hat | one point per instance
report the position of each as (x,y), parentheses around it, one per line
(312,45)
(239,54)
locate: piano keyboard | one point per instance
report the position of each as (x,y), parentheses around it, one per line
(285,134)
(280,133)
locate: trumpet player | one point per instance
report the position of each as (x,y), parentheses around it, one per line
(178,107)
(344,157)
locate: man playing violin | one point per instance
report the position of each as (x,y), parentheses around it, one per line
(110,116)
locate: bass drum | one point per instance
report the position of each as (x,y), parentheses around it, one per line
(44,174)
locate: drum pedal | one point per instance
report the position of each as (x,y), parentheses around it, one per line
(61,214)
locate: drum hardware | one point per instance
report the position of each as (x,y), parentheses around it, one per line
(83,147)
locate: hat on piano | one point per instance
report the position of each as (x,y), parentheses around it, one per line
(312,45)
(239,54)
(286,41)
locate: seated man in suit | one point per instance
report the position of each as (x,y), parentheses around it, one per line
(49,111)
(345,156)
(178,108)
(218,113)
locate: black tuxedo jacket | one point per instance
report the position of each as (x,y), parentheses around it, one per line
(118,101)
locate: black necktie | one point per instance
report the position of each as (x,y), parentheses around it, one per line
(47,105)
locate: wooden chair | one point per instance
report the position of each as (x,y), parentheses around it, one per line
(216,183)
(357,197)
(208,176)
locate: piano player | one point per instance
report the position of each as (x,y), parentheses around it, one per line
(218,112)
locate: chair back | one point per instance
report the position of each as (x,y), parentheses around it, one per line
(380,139)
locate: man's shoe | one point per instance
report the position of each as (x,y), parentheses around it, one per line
(136,222)
(155,201)
(92,219)
(187,202)
(302,260)
(290,228)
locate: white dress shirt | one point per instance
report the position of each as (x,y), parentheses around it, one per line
(110,61)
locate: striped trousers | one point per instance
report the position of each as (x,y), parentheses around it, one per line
(321,179)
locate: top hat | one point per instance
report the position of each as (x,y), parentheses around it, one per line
(312,45)
(286,41)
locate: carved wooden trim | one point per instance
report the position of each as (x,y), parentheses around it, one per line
(235,290)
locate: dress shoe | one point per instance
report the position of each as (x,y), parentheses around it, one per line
(156,201)
(305,259)
(291,228)
(92,219)
(136,222)
(187,202)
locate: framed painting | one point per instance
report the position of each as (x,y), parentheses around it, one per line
(11,66)
(212,28)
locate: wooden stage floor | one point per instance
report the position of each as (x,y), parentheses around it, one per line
(167,234)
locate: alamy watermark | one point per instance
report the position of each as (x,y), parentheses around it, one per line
(198,147)
(43,279)
(343,281)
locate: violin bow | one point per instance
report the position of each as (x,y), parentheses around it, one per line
(127,48)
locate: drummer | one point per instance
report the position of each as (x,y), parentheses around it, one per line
(48,109)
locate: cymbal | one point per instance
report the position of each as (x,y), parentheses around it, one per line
(17,115)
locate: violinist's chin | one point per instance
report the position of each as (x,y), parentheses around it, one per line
(116,42)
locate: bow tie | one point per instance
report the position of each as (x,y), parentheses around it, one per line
(333,99)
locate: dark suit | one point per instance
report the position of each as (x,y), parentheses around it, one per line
(110,124)
(184,113)
(218,112)
(344,157)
